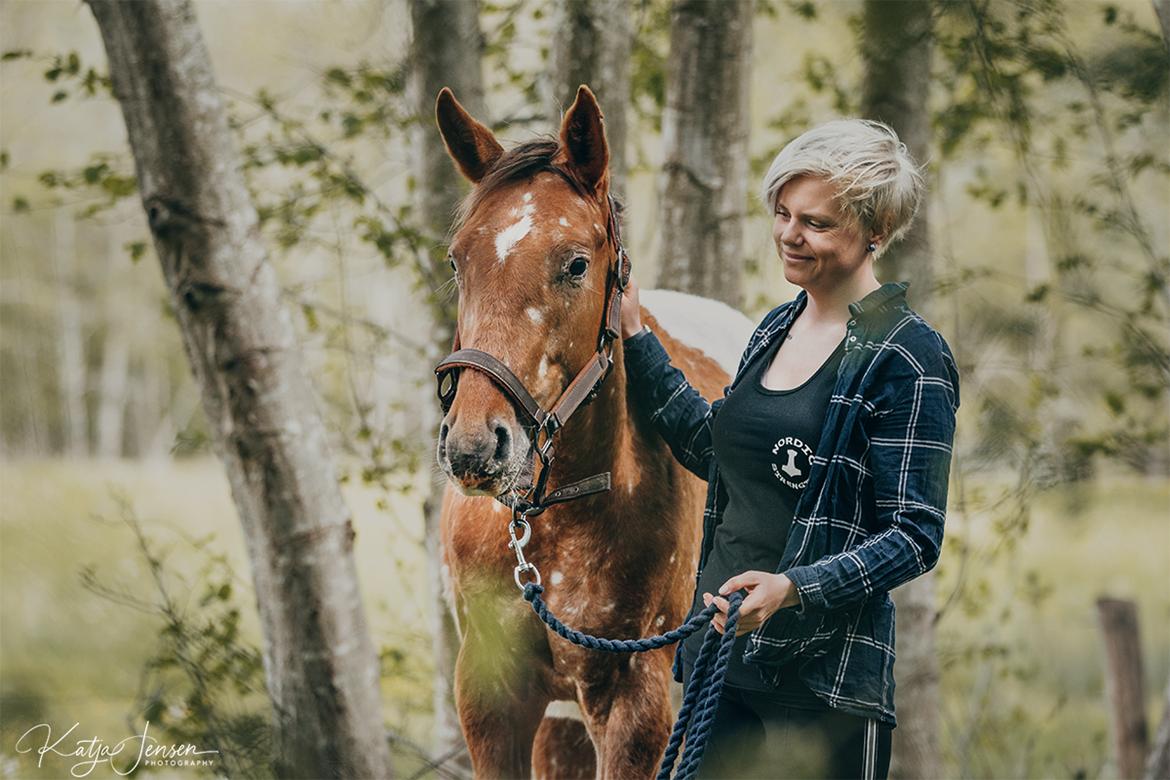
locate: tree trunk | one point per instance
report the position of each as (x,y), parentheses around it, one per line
(71,349)
(1162,11)
(112,384)
(448,46)
(704,134)
(322,671)
(1124,684)
(896,49)
(114,377)
(592,46)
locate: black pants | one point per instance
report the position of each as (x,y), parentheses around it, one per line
(755,736)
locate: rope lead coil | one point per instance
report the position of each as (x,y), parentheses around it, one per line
(701,698)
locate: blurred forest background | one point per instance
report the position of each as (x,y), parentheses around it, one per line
(1042,256)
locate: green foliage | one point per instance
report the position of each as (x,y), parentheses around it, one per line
(648,63)
(1016,72)
(203,685)
(66,70)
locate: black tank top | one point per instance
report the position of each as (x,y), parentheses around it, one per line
(763,441)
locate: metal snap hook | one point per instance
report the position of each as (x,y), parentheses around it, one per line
(525,535)
(525,567)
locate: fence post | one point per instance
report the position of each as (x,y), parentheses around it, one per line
(1124,685)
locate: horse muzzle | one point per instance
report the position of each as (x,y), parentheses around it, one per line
(489,459)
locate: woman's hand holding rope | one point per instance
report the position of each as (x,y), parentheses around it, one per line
(767,593)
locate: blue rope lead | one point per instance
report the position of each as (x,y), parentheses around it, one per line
(701,699)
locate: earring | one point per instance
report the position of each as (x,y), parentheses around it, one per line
(871,247)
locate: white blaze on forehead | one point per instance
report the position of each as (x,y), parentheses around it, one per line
(543,367)
(511,235)
(563,222)
(534,314)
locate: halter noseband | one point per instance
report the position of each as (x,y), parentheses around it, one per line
(583,389)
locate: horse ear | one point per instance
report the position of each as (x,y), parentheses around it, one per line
(471,144)
(583,137)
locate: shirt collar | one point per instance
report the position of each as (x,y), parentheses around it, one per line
(888,295)
(883,298)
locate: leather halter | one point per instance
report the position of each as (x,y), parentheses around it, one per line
(583,389)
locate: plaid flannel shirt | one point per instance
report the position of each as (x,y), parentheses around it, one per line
(870,517)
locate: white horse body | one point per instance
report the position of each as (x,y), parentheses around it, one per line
(711,326)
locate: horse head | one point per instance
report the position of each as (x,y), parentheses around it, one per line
(533,251)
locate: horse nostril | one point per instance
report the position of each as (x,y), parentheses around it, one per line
(503,443)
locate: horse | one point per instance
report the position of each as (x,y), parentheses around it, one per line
(532,251)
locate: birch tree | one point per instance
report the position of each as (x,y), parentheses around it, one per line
(704,134)
(71,366)
(896,50)
(320,665)
(592,44)
(448,45)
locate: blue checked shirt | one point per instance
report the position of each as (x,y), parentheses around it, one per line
(870,517)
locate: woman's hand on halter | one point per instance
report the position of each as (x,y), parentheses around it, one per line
(767,593)
(631,310)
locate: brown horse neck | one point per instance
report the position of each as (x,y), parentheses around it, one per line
(600,436)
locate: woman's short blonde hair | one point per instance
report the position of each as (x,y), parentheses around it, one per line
(877,180)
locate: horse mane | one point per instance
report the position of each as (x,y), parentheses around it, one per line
(519,163)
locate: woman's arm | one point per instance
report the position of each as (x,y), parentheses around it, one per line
(909,457)
(679,412)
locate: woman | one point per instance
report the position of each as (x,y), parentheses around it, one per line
(826,460)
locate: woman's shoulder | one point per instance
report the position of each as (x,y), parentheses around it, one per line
(912,350)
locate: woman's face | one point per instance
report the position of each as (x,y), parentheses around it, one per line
(820,245)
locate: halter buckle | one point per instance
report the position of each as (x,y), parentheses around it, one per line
(624,268)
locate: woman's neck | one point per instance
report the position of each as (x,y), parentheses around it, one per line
(831,306)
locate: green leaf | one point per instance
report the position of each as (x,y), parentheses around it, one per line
(93,173)
(805,10)
(311,320)
(119,186)
(136,249)
(1037,294)
(15,54)
(19,204)
(58,96)
(338,76)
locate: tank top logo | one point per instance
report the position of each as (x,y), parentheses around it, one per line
(790,462)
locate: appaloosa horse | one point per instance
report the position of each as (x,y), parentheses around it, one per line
(535,253)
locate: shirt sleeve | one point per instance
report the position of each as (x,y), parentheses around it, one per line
(909,458)
(679,412)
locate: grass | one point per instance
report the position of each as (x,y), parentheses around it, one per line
(1019,649)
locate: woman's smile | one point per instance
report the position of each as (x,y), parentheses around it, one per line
(795,258)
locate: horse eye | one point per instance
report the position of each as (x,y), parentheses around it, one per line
(451,262)
(578,266)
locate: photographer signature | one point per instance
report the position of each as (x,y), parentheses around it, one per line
(94,751)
